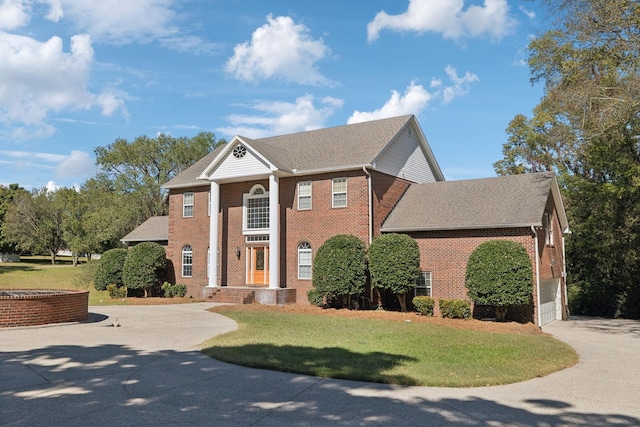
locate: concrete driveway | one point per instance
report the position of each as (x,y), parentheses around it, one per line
(148,371)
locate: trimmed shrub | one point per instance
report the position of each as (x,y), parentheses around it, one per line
(177,290)
(424,305)
(499,274)
(394,263)
(315,297)
(145,267)
(109,269)
(340,268)
(454,308)
(116,291)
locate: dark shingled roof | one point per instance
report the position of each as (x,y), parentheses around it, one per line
(154,229)
(340,147)
(507,201)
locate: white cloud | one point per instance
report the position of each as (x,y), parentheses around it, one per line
(530,13)
(447,18)
(279,118)
(414,100)
(77,164)
(280,49)
(14,14)
(39,78)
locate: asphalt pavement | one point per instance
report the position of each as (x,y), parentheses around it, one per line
(140,366)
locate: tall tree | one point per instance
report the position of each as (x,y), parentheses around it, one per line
(140,167)
(7,194)
(586,129)
(34,222)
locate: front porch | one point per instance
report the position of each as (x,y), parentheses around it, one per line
(249,295)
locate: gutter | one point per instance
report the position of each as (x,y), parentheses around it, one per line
(535,234)
(456,227)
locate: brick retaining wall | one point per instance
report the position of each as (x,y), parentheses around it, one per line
(32,307)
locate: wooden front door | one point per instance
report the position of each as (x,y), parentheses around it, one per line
(258,263)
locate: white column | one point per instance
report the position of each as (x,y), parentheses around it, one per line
(274,223)
(213,235)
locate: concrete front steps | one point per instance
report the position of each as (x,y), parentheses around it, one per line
(249,295)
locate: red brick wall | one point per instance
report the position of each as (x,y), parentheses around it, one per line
(32,310)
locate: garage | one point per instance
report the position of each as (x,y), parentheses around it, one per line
(550,301)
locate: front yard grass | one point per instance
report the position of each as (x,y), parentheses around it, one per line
(386,351)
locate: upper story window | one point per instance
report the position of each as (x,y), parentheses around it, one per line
(547,223)
(304,260)
(304,195)
(423,286)
(256,210)
(339,192)
(187,204)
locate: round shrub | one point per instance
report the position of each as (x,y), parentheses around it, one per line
(394,263)
(340,267)
(315,297)
(145,266)
(109,270)
(424,305)
(499,274)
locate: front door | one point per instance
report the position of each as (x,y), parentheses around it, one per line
(258,263)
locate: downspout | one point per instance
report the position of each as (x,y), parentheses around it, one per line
(364,169)
(535,234)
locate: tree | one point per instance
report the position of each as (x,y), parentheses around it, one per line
(145,267)
(7,194)
(340,267)
(586,129)
(499,274)
(139,168)
(34,222)
(109,270)
(394,263)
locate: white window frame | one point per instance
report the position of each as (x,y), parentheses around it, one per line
(338,192)
(305,248)
(245,203)
(305,192)
(425,281)
(547,222)
(188,205)
(187,261)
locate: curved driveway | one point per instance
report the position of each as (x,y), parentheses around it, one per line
(139,365)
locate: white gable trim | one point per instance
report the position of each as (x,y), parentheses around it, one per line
(255,164)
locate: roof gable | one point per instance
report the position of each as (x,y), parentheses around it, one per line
(500,202)
(153,229)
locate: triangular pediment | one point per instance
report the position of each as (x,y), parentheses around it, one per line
(239,160)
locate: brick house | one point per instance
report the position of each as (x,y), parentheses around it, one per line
(276,200)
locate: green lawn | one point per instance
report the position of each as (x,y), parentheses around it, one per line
(383,351)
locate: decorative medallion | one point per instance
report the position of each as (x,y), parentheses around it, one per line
(239,152)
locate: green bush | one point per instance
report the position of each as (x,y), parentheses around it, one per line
(315,297)
(116,291)
(424,305)
(340,268)
(145,267)
(499,274)
(394,263)
(454,308)
(177,290)
(109,269)
(86,275)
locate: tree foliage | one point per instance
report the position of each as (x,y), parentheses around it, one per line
(340,267)
(145,267)
(109,269)
(394,264)
(586,129)
(7,194)
(499,274)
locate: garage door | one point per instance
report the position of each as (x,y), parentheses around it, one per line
(549,301)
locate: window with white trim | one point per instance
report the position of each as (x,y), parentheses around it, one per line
(304,195)
(256,210)
(548,228)
(339,193)
(187,205)
(304,260)
(423,285)
(187,261)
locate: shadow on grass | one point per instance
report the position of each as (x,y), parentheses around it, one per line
(15,267)
(112,384)
(332,362)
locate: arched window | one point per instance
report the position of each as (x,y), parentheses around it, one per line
(304,260)
(187,261)
(256,210)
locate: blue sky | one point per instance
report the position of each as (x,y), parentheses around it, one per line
(75,75)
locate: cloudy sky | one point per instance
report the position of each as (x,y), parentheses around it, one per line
(75,75)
